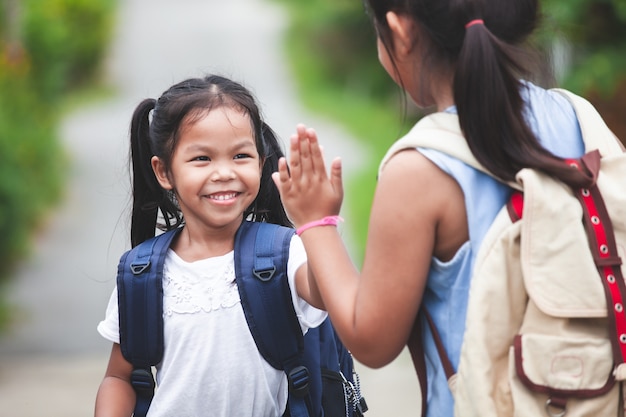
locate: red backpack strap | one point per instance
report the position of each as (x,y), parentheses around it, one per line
(604,250)
(416,348)
(443,356)
(515,206)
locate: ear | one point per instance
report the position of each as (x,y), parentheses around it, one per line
(160,172)
(402,30)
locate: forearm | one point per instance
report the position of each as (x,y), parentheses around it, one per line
(314,294)
(335,278)
(115,398)
(372,310)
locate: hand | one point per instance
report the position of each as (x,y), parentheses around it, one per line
(307,192)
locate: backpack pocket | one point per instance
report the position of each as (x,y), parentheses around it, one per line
(558,375)
(333,394)
(560,274)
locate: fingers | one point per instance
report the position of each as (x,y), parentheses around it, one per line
(306,164)
(335,176)
(311,153)
(307,191)
(294,157)
(317,154)
(281,177)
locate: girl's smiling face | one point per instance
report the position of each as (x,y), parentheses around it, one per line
(215,170)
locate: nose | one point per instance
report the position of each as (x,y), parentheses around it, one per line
(222,171)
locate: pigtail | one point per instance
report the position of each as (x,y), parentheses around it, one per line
(148,196)
(145,210)
(268,206)
(487,93)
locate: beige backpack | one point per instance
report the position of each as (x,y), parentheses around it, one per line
(546,327)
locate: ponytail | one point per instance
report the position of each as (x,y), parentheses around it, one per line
(487,94)
(148,196)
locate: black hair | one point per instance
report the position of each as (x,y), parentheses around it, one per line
(155,130)
(487,62)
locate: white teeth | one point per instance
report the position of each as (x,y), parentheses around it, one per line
(222,197)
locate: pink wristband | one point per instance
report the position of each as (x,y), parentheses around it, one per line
(326,221)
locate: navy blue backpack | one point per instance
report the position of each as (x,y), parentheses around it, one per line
(319,368)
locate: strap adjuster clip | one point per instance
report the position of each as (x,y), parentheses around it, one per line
(138,267)
(143,382)
(299,381)
(264,274)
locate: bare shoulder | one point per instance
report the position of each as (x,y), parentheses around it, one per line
(427,195)
(411,170)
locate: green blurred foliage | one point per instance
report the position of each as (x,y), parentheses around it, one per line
(29,161)
(66,40)
(337,39)
(594,33)
(47,50)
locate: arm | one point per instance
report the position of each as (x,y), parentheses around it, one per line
(116,397)
(307,289)
(374,311)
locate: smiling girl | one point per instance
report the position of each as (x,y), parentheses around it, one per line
(202,159)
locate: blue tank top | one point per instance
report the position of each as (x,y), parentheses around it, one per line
(553,120)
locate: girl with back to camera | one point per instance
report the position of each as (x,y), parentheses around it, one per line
(202,155)
(430,210)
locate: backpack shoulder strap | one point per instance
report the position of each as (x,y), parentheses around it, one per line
(439,131)
(261,254)
(140,303)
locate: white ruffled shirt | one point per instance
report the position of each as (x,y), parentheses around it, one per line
(211,365)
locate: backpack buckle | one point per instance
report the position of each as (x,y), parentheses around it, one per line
(264,274)
(143,382)
(138,268)
(299,381)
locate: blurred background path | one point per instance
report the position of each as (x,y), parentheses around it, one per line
(52,361)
